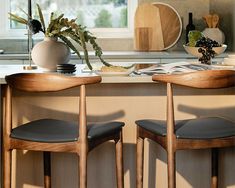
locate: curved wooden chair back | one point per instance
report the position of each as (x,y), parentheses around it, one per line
(42,82)
(208,79)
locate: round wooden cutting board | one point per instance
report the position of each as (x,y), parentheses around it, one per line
(158,27)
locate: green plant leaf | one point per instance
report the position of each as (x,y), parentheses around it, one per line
(41,18)
(18,18)
(71,34)
(81,34)
(24,12)
(69,43)
(98,50)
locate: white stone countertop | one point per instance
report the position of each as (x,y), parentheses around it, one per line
(119,55)
(82,71)
(12,69)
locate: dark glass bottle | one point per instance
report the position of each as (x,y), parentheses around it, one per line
(190,25)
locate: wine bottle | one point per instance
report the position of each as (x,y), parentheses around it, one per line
(190,25)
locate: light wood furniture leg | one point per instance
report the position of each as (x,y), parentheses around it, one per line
(170,138)
(47,169)
(7,152)
(139,162)
(83,138)
(83,171)
(7,168)
(171,170)
(119,162)
(2,116)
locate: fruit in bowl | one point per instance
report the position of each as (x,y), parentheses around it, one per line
(203,47)
(194,50)
(193,37)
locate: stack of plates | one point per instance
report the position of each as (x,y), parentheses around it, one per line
(66,68)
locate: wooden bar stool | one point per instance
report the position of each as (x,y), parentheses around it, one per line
(198,133)
(54,135)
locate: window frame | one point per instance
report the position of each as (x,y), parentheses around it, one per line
(7,33)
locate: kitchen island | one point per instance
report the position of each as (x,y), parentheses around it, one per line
(126,99)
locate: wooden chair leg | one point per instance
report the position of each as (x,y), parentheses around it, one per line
(171,169)
(139,162)
(47,169)
(7,154)
(119,162)
(83,170)
(214,167)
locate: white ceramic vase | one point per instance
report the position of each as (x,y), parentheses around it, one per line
(50,52)
(214,34)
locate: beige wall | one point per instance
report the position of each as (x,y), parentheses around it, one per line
(225,8)
(199,8)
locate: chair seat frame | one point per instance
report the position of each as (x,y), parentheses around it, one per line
(210,79)
(35,82)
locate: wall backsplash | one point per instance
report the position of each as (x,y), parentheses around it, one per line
(199,8)
(227,19)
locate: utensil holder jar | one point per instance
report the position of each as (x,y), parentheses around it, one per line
(214,34)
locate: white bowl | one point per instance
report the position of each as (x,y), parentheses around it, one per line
(194,50)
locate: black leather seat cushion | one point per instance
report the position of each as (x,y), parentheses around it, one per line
(200,128)
(51,130)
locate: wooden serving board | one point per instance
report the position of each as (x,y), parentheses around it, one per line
(148,28)
(157,27)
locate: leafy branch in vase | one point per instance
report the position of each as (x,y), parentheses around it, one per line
(66,30)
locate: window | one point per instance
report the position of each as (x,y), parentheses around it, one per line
(104,18)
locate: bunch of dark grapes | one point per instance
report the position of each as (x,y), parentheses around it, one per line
(206,49)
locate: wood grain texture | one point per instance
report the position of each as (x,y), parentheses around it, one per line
(119,161)
(157,27)
(143,38)
(201,79)
(139,162)
(170,23)
(35,82)
(148,31)
(41,82)
(7,126)
(170,138)
(100,100)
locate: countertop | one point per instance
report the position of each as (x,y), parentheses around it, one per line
(11,69)
(82,70)
(120,55)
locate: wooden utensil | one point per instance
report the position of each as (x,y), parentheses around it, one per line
(215,20)
(208,20)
